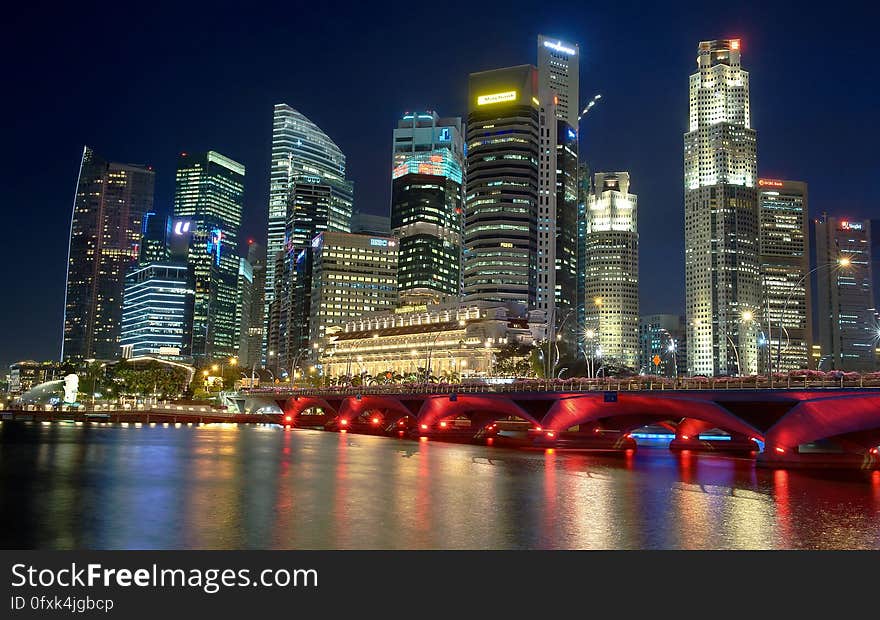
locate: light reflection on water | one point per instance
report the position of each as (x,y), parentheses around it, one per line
(226,487)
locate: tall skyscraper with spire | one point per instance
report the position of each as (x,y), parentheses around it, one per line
(722,276)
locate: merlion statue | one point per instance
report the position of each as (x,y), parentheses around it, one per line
(71,387)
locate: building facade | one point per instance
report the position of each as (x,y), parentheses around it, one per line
(501,212)
(722,275)
(208,202)
(352,275)
(105,233)
(446,341)
(558,79)
(308,190)
(243,305)
(786,330)
(662,345)
(612,272)
(427,206)
(559,73)
(845,301)
(157,311)
(252,355)
(28,374)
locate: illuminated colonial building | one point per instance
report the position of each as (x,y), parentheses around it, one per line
(208,201)
(612,270)
(847,323)
(427,205)
(105,232)
(447,340)
(785,333)
(722,276)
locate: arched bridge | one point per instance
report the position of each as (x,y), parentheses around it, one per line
(796,426)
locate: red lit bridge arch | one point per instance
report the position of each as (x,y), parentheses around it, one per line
(798,426)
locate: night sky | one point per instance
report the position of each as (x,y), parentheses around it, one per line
(142,81)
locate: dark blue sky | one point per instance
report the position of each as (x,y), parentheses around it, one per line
(140,82)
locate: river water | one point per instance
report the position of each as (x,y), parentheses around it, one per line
(66,486)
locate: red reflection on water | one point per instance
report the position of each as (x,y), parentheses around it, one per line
(340,493)
(423,509)
(549,513)
(783,506)
(284,492)
(875,486)
(686,466)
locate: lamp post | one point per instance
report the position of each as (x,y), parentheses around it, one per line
(673,348)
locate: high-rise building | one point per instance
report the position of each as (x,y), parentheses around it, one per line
(722,276)
(584,185)
(243,304)
(426,206)
(369,223)
(105,232)
(154,239)
(501,213)
(558,82)
(352,275)
(612,271)
(308,191)
(785,333)
(252,354)
(566,251)
(558,71)
(157,310)
(662,345)
(847,323)
(208,201)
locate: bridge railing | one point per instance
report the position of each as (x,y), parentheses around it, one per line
(633,384)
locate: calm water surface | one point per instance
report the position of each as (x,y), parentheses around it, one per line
(227,487)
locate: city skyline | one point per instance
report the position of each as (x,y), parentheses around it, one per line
(664,203)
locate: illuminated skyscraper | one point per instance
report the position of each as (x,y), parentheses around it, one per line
(154,239)
(722,279)
(558,71)
(426,206)
(847,324)
(157,312)
(209,197)
(308,191)
(250,354)
(501,215)
(105,232)
(786,328)
(612,270)
(353,275)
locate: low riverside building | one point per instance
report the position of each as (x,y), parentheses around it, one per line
(456,340)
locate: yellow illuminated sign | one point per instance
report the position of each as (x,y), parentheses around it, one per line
(509,95)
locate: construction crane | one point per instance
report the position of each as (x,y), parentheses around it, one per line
(589,105)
